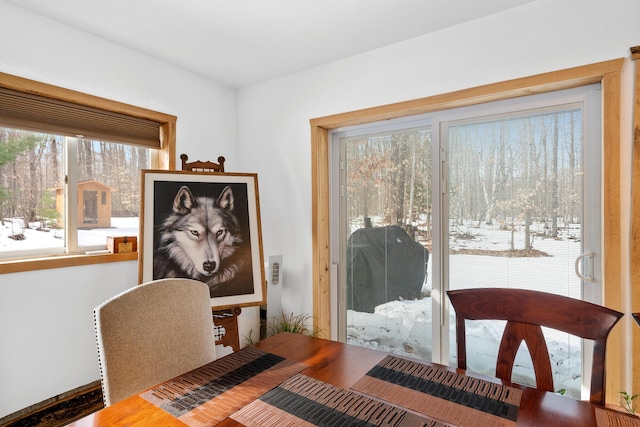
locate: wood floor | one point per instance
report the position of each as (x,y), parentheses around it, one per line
(58,411)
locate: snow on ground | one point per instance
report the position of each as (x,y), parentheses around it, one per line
(405,327)
(54,238)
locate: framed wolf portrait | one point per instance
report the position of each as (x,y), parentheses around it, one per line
(204,226)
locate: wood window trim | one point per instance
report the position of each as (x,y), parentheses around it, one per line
(635,226)
(606,73)
(166,160)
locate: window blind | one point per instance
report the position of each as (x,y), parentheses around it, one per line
(33,112)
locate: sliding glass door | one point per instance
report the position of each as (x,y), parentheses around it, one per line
(498,195)
(386,238)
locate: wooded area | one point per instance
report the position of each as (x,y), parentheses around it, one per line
(510,172)
(389,177)
(32,167)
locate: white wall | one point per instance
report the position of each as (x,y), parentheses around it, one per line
(273,127)
(47,343)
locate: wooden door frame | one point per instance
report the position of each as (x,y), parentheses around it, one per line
(635,225)
(606,73)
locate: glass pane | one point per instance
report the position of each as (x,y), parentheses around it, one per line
(108,190)
(31,184)
(388,230)
(515,220)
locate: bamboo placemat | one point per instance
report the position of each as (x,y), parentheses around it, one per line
(211,393)
(305,401)
(610,418)
(441,393)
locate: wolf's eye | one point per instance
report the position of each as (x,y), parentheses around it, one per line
(194,233)
(220,233)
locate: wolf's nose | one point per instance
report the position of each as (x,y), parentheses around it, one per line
(209,266)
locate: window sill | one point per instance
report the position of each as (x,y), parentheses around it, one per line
(32,264)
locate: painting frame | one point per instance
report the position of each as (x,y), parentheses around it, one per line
(209,232)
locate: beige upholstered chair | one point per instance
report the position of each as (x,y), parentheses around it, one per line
(152,333)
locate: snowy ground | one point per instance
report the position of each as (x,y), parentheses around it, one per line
(54,238)
(405,327)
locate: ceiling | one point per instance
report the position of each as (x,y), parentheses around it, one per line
(243,42)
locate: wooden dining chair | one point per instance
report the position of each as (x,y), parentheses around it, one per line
(151,333)
(526,312)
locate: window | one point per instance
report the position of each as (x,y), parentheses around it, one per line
(61,149)
(508,212)
(36,182)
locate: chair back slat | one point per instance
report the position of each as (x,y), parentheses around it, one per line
(515,333)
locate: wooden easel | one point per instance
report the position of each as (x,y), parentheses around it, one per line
(226,327)
(199,166)
(225,321)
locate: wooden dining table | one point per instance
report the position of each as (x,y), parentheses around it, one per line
(344,367)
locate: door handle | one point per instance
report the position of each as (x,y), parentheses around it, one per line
(589,276)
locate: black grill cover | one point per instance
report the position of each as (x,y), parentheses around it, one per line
(383,264)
